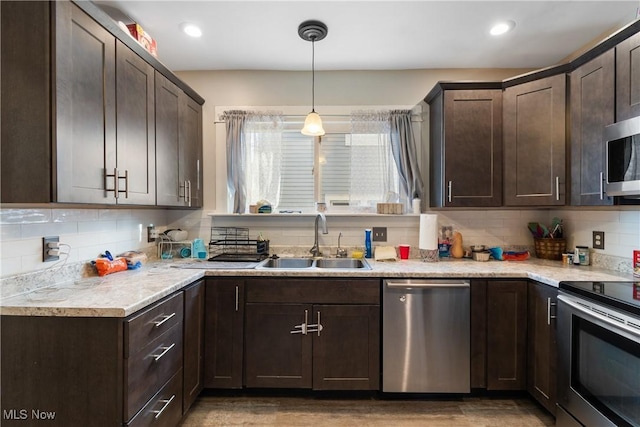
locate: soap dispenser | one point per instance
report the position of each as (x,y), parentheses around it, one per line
(367,243)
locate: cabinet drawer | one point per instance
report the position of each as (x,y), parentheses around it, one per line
(148,369)
(314,291)
(163,409)
(145,327)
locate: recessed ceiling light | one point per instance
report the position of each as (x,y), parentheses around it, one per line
(191,29)
(502,27)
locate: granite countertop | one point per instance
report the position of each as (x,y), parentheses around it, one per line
(122,294)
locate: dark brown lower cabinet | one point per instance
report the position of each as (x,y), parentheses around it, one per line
(506,335)
(278,353)
(193,357)
(478,333)
(312,333)
(541,382)
(98,371)
(224,328)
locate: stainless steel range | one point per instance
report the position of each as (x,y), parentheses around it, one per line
(599,354)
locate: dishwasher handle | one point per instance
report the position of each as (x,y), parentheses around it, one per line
(428,284)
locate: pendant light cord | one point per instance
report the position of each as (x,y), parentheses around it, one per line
(313,74)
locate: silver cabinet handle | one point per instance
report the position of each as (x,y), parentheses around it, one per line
(449,187)
(126,184)
(165,350)
(115,182)
(302,329)
(319,324)
(601,186)
(237,297)
(164,319)
(166,404)
(549,305)
(557,188)
(189,193)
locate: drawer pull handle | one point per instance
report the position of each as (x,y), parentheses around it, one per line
(164,351)
(549,305)
(158,324)
(166,402)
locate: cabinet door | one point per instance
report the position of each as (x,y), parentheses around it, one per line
(346,352)
(169,188)
(592,108)
(507,335)
(224,326)
(541,382)
(85,107)
(193,369)
(628,78)
(534,142)
(136,140)
(25,102)
(191,150)
(274,356)
(472,148)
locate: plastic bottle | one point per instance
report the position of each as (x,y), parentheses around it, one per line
(367,243)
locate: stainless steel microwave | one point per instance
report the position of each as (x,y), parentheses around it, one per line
(623,158)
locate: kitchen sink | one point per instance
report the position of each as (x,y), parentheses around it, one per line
(340,263)
(310,263)
(288,263)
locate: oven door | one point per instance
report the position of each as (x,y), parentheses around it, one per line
(599,365)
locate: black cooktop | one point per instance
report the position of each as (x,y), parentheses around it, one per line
(622,295)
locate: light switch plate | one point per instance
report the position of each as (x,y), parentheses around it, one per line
(598,240)
(379,234)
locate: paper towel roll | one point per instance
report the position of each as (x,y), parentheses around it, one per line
(428,232)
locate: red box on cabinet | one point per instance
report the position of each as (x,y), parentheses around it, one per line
(143,38)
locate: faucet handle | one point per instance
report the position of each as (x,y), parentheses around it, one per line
(341,253)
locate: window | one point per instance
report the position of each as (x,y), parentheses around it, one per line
(350,172)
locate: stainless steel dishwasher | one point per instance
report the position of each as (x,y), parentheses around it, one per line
(426,336)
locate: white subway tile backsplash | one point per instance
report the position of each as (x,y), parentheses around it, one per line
(10,232)
(49,229)
(24,216)
(74,215)
(90,232)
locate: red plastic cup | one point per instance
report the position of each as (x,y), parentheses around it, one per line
(404,251)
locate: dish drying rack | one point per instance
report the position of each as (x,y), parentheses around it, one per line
(234,244)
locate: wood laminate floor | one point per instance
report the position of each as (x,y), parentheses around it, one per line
(211,410)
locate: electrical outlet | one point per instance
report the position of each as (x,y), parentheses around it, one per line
(598,240)
(45,248)
(379,234)
(152,233)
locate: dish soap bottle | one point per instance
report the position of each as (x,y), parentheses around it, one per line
(367,243)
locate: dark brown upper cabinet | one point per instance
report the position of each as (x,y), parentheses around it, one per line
(466,147)
(78,109)
(592,106)
(534,142)
(628,78)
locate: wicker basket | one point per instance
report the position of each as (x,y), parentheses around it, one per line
(550,248)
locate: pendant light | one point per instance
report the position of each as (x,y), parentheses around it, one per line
(312,31)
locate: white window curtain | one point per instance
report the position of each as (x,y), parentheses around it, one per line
(373,173)
(254,153)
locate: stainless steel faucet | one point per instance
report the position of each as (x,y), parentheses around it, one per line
(341,252)
(315,250)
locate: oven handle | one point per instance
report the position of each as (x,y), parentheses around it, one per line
(616,325)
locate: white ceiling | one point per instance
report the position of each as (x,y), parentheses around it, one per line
(373,35)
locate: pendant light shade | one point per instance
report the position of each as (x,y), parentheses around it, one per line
(313,125)
(312,31)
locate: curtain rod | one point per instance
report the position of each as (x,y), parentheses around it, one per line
(416,118)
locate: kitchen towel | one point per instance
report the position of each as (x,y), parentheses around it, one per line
(428,232)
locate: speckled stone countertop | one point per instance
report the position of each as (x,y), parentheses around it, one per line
(122,294)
